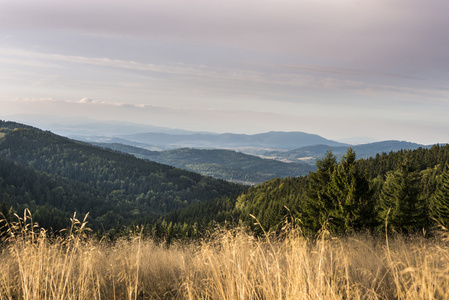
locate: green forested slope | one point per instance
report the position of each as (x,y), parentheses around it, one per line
(223,164)
(129,188)
(52,199)
(421,159)
(409,189)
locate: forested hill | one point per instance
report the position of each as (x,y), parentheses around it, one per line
(123,187)
(219,163)
(420,159)
(409,189)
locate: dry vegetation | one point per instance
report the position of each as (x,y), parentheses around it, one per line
(230,265)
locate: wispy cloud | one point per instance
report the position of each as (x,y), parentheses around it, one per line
(299,77)
(346,71)
(187,59)
(85,100)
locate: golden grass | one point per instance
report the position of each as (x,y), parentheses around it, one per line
(230,265)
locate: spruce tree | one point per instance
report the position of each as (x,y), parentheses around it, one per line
(338,195)
(440,207)
(352,206)
(317,203)
(399,200)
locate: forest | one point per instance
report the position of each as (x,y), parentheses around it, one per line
(219,163)
(53,175)
(82,222)
(405,191)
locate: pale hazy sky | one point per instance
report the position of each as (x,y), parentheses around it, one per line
(337,68)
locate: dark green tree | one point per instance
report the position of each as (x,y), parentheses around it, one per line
(399,200)
(440,206)
(339,196)
(318,203)
(351,207)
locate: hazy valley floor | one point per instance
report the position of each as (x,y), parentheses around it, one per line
(230,265)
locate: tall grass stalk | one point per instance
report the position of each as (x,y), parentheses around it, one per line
(232,264)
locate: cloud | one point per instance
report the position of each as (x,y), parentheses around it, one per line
(300,56)
(34,100)
(86,100)
(278,82)
(346,71)
(113,103)
(391,33)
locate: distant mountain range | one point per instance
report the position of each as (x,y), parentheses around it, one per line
(269,140)
(282,146)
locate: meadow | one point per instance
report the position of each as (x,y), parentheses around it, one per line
(230,264)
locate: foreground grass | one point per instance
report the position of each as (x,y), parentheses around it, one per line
(230,265)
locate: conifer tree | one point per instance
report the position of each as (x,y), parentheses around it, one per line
(440,207)
(338,195)
(317,203)
(399,200)
(352,208)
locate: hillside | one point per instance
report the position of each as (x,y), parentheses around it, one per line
(129,188)
(223,164)
(51,198)
(409,187)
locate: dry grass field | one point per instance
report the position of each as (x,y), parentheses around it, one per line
(230,265)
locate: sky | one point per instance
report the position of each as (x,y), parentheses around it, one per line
(337,68)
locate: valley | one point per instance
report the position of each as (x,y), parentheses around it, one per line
(121,184)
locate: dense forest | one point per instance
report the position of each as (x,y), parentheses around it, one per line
(218,163)
(53,176)
(404,191)
(47,172)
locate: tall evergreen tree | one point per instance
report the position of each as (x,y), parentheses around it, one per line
(338,195)
(317,203)
(352,207)
(399,200)
(440,205)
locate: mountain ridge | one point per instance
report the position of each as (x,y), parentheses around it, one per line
(224,164)
(273,140)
